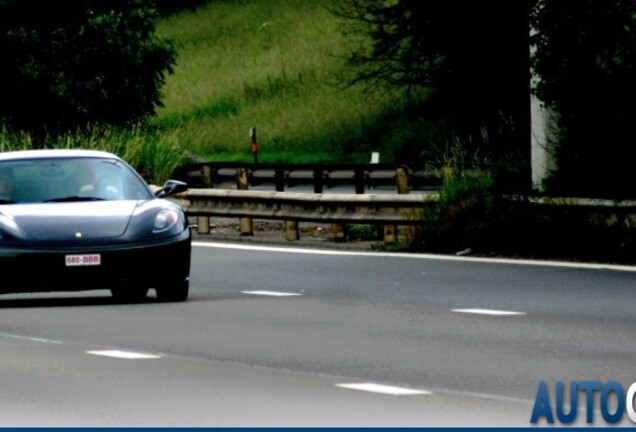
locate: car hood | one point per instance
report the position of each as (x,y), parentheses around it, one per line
(70,221)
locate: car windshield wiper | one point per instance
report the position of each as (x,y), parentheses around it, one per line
(74,199)
(3,201)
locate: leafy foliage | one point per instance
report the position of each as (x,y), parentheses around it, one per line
(586,58)
(469,58)
(68,64)
(470,213)
(472,217)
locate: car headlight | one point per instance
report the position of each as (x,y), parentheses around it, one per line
(165,220)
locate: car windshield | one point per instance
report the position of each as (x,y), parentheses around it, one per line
(68,180)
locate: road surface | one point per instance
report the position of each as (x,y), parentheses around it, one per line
(293,337)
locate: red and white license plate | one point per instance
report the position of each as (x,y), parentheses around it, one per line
(83,260)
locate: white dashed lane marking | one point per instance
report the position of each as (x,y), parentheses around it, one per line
(272,293)
(384,389)
(488,312)
(124,354)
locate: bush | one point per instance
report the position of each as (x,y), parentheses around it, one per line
(473,215)
(67,64)
(465,216)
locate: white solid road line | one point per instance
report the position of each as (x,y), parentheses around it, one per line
(488,312)
(528,262)
(124,354)
(30,339)
(384,389)
(272,293)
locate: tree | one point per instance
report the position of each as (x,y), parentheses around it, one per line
(586,58)
(68,64)
(471,60)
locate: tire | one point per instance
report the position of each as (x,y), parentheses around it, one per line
(174,291)
(129,294)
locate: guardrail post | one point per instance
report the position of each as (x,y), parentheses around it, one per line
(291,227)
(203,222)
(203,225)
(318,180)
(293,232)
(206,176)
(402,180)
(338,232)
(390,234)
(358,175)
(245,224)
(279,178)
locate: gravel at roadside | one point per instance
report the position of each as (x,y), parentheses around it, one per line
(267,232)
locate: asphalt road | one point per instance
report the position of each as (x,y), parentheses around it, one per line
(275,337)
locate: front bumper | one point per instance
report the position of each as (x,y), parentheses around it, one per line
(33,269)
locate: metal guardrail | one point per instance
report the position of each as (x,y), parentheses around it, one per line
(379,209)
(320,176)
(387,210)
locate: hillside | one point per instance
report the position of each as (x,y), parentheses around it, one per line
(273,65)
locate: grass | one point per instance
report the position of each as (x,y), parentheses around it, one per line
(154,155)
(269,65)
(272,65)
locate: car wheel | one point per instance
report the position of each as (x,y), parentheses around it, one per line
(174,291)
(129,294)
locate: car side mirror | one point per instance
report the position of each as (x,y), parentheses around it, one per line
(171,187)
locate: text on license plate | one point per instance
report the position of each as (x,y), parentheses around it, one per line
(83,260)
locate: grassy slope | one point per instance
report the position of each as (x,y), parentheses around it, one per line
(270,65)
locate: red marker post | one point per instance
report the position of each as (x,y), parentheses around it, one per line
(254,144)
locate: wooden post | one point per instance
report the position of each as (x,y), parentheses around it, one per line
(242,181)
(338,232)
(279,179)
(203,222)
(206,176)
(293,232)
(358,175)
(203,225)
(390,234)
(318,180)
(402,180)
(245,224)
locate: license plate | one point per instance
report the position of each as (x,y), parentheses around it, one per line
(83,260)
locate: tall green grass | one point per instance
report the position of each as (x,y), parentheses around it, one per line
(155,155)
(273,65)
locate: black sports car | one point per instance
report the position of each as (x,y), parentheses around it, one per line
(73,220)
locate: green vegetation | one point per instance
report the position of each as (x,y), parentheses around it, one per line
(274,66)
(154,155)
(587,58)
(66,65)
